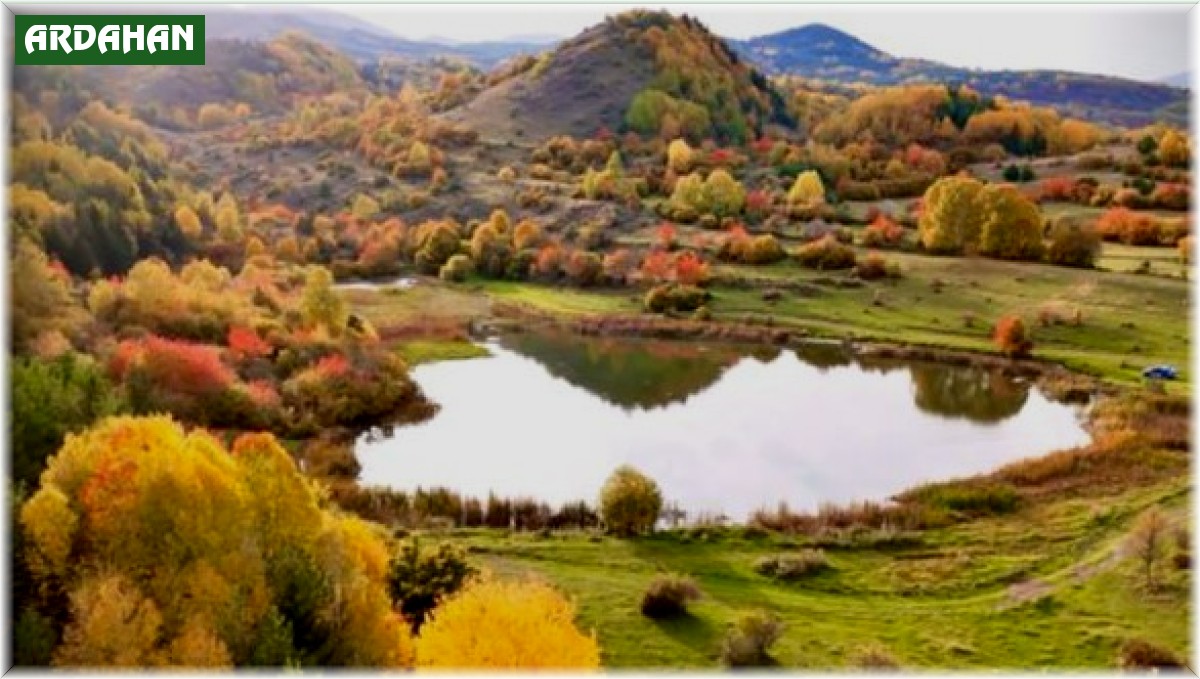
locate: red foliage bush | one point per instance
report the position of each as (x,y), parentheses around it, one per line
(666,235)
(333,366)
(244,343)
(1057,188)
(690,269)
(1011,337)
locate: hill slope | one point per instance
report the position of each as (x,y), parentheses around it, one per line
(821,52)
(646,71)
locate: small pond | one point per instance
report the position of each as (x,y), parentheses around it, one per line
(722,429)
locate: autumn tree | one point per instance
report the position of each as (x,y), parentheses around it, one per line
(724,194)
(320,304)
(1012,225)
(952,215)
(228,219)
(435,242)
(1173,149)
(188,222)
(493,624)
(1011,337)
(40,296)
(527,234)
(174,550)
(630,502)
(679,156)
(1075,245)
(491,249)
(807,189)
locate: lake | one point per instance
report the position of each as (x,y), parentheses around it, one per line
(722,429)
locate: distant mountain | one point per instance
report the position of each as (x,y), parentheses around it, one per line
(826,53)
(1181,79)
(361,40)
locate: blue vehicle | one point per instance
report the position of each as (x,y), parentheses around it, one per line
(1160,372)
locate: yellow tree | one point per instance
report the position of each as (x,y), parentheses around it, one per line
(174,550)
(320,304)
(229,220)
(500,624)
(725,195)
(40,296)
(679,156)
(1012,225)
(188,222)
(952,215)
(1173,149)
(807,189)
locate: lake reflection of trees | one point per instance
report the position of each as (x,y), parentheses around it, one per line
(626,372)
(949,391)
(973,394)
(640,373)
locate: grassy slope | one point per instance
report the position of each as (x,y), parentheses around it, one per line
(1129,321)
(949,602)
(946,603)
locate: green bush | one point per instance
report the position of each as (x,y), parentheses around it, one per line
(985,499)
(630,502)
(668,596)
(51,399)
(418,578)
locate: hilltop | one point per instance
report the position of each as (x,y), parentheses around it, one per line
(825,53)
(646,71)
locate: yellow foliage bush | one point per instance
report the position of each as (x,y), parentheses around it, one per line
(505,624)
(174,550)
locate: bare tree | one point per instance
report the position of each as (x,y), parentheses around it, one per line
(1149,542)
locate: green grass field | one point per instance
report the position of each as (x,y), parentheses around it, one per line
(1053,585)
(952,601)
(1126,321)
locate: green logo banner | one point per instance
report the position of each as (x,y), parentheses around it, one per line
(109,39)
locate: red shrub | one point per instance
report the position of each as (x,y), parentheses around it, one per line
(174,365)
(333,366)
(244,343)
(549,260)
(1127,226)
(1057,188)
(657,266)
(666,235)
(1011,337)
(758,202)
(690,269)
(263,394)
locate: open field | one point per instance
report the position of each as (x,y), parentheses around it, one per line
(951,602)
(1125,321)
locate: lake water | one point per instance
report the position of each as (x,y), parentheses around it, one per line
(721,429)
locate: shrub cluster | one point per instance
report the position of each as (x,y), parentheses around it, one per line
(826,254)
(788,567)
(668,596)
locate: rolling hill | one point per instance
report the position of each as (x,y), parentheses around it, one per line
(825,53)
(639,70)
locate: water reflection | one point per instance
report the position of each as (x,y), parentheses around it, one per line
(722,429)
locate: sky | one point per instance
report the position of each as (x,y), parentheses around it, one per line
(1136,41)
